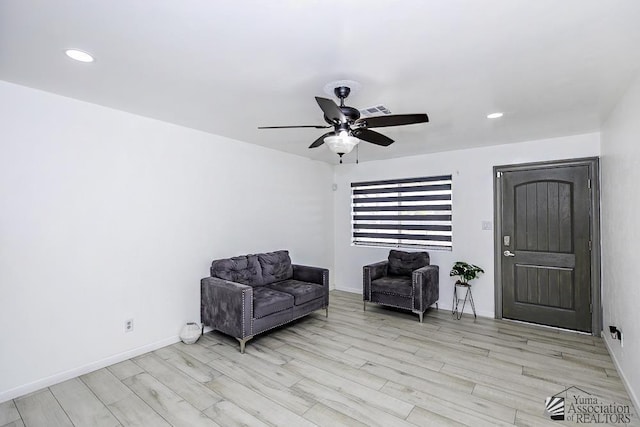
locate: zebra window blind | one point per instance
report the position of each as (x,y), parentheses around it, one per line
(411,212)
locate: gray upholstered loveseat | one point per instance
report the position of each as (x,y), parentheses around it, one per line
(250,294)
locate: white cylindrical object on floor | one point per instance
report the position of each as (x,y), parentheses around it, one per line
(190,333)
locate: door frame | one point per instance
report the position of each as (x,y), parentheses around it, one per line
(594,168)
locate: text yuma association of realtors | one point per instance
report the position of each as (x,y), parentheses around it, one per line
(588,410)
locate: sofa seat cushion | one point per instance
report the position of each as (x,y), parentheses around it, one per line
(240,269)
(267,301)
(302,291)
(395,285)
(275,266)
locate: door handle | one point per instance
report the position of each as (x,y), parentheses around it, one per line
(508,253)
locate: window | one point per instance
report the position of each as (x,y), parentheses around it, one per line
(412,212)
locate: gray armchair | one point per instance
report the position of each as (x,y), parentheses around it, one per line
(405,280)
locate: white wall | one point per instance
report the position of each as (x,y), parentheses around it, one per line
(472,204)
(106,216)
(620,166)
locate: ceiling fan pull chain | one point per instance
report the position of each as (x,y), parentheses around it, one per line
(357,153)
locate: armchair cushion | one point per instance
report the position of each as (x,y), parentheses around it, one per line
(396,285)
(267,301)
(302,291)
(240,269)
(403,263)
(276,266)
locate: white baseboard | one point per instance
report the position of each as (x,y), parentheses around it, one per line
(85,369)
(467,309)
(627,386)
(351,290)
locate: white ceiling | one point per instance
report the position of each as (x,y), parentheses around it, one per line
(228,66)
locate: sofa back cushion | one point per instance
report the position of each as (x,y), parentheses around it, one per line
(276,266)
(241,269)
(403,263)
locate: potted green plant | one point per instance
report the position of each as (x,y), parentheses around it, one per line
(465,272)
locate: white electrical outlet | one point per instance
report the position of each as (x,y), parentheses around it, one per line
(486,225)
(128,325)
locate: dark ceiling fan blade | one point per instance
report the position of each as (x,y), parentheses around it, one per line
(318,142)
(372,137)
(331,110)
(294,127)
(394,120)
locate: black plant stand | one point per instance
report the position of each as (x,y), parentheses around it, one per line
(468,296)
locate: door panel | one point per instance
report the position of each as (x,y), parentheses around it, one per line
(546,273)
(545,286)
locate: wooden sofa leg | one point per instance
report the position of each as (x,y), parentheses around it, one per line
(420,314)
(326,311)
(243,342)
(364,306)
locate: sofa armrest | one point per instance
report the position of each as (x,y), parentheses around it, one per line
(426,286)
(310,274)
(370,273)
(226,306)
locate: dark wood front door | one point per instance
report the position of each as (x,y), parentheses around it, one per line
(546,244)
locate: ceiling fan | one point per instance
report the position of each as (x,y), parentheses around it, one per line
(349,128)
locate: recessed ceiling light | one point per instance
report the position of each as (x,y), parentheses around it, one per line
(494,115)
(79,55)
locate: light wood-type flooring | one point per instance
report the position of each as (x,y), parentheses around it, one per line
(379,367)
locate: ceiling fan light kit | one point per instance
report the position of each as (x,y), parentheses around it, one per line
(349,128)
(341,144)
